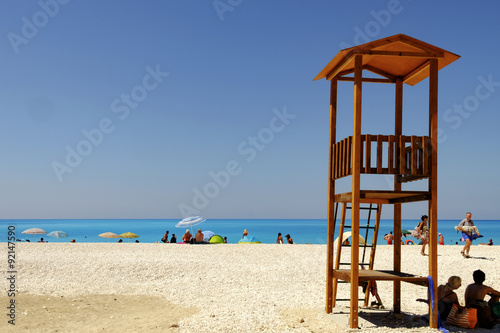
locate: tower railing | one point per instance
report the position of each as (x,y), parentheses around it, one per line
(408,157)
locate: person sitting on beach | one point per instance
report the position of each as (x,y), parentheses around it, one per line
(447,297)
(225,240)
(165,237)
(137,241)
(199,237)
(41,240)
(245,233)
(289,239)
(73,241)
(173,240)
(490,242)
(474,298)
(279,240)
(120,241)
(187,237)
(346,242)
(441,239)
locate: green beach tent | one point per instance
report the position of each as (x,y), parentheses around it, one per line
(216,239)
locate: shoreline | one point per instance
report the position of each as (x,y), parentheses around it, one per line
(230,287)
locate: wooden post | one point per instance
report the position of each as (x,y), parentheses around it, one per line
(398,131)
(331,198)
(433,134)
(356,169)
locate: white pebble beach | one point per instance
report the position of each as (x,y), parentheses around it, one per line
(130,287)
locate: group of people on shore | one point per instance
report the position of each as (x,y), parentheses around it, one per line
(466,226)
(187,238)
(279,240)
(488,312)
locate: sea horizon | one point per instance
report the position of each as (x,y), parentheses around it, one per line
(302,231)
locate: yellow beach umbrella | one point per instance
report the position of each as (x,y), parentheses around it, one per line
(128,235)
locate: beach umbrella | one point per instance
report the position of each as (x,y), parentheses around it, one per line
(249,240)
(128,235)
(109,235)
(405,232)
(207,235)
(346,235)
(57,234)
(190,221)
(34,231)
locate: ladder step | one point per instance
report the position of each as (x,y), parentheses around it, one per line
(348,263)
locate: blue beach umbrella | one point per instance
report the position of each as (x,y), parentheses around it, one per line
(190,221)
(57,234)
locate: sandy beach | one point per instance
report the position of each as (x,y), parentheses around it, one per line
(211,288)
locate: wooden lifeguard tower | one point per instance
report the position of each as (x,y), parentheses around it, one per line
(397,60)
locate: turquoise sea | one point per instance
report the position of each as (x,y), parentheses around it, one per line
(266,230)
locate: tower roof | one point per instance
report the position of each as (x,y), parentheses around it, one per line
(398,56)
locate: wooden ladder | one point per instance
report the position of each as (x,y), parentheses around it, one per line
(373,245)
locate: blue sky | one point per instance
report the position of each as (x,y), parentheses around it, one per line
(160,109)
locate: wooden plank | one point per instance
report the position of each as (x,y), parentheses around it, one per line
(337,160)
(414,155)
(379,154)
(348,159)
(345,167)
(403,54)
(390,154)
(398,131)
(416,71)
(368,152)
(426,155)
(331,196)
(402,156)
(380,72)
(337,69)
(356,170)
(367,79)
(376,275)
(433,183)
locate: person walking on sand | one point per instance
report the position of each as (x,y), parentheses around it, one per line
(389,238)
(423,233)
(466,235)
(279,240)
(441,239)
